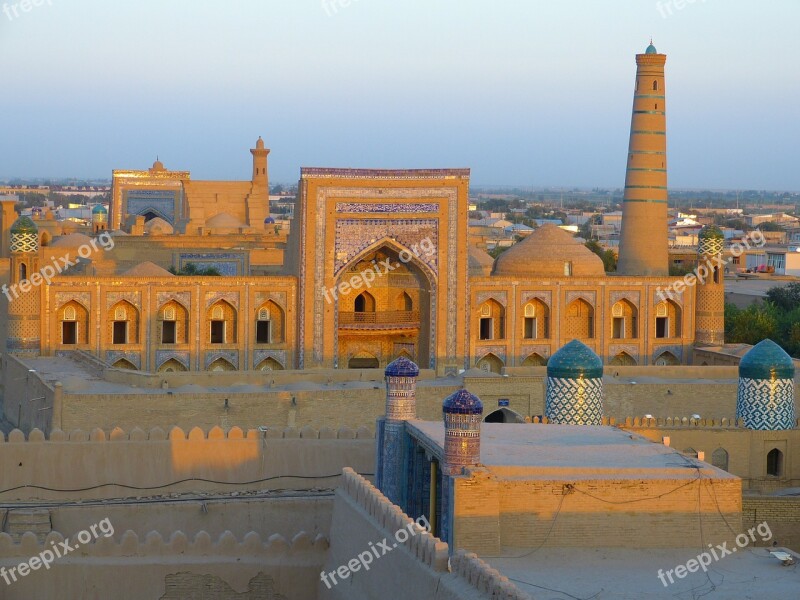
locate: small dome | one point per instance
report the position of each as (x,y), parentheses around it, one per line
(24,225)
(462,403)
(544,254)
(402,367)
(766,360)
(573,361)
(223,221)
(260,144)
(269,221)
(711,232)
(158,166)
(147,269)
(71,240)
(99,209)
(651,49)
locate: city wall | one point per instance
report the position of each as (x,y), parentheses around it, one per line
(412,570)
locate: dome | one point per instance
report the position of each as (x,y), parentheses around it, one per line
(402,367)
(480,263)
(573,361)
(269,221)
(223,221)
(711,232)
(147,269)
(260,144)
(158,226)
(158,166)
(463,403)
(544,254)
(24,225)
(766,360)
(99,209)
(651,49)
(72,240)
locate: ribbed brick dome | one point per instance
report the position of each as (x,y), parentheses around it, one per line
(544,254)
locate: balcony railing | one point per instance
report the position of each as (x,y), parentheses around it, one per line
(379,320)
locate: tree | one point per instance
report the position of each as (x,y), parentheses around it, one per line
(607,256)
(770,226)
(785,298)
(752,325)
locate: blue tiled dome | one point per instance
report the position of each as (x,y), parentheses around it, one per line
(651,49)
(766,360)
(402,367)
(463,403)
(574,360)
(99,210)
(269,220)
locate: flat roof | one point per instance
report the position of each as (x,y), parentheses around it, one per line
(538,451)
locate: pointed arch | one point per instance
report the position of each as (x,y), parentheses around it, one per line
(73,319)
(173,323)
(667,359)
(221,364)
(491,363)
(623,359)
(123,323)
(491,320)
(403,302)
(775,463)
(269,364)
(535,360)
(624,320)
(536,320)
(172,366)
(668,320)
(504,415)
(364,303)
(719,458)
(363,360)
(579,320)
(123,363)
(270,323)
(222,323)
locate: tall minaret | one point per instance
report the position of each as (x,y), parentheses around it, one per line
(260,176)
(643,247)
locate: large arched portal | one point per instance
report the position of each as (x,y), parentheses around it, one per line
(384,307)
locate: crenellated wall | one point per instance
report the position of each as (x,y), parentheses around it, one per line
(130,567)
(412,570)
(115,464)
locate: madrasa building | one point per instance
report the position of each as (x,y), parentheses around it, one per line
(378,264)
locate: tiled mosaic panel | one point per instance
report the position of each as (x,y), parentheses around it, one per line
(765,404)
(574,402)
(355,235)
(386,207)
(24,242)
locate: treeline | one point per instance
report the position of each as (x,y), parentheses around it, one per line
(776,318)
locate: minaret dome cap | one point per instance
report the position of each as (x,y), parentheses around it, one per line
(651,49)
(402,367)
(24,225)
(462,403)
(766,360)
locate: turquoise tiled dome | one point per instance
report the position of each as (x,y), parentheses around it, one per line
(24,225)
(651,49)
(766,360)
(573,361)
(99,210)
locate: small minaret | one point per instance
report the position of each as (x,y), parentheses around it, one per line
(765,399)
(260,177)
(391,472)
(99,219)
(463,413)
(24,293)
(710,288)
(643,245)
(574,390)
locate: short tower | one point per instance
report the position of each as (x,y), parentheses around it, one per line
(24,295)
(99,219)
(463,413)
(574,390)
(710,288)
(643,246)
(766,388)
(260,177)
(391,459)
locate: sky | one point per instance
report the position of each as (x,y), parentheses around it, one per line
(523,92)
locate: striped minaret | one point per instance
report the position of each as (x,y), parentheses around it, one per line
(643,247)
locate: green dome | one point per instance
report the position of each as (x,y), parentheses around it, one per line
(651,49)
(24,225)
(711,232)
(766,360)
(573,361)
(99,210)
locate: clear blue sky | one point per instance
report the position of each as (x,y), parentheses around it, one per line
(524,92)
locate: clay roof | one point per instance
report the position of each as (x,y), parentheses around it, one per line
(72,240)
(223,221)
(147,269)
(480,263)
(543,254)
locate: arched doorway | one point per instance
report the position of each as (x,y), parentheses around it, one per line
(490,363)
(623,359)
(504,415)
(667,359)
(386,311)
(535,360)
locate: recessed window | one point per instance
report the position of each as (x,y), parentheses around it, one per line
(120,332)
(775,463)
(217,332)
(262,332)
(486,328)
(69,332)
(168,330)
(662,327)
(530,328)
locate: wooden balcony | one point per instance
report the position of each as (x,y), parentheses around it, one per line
(395,319)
